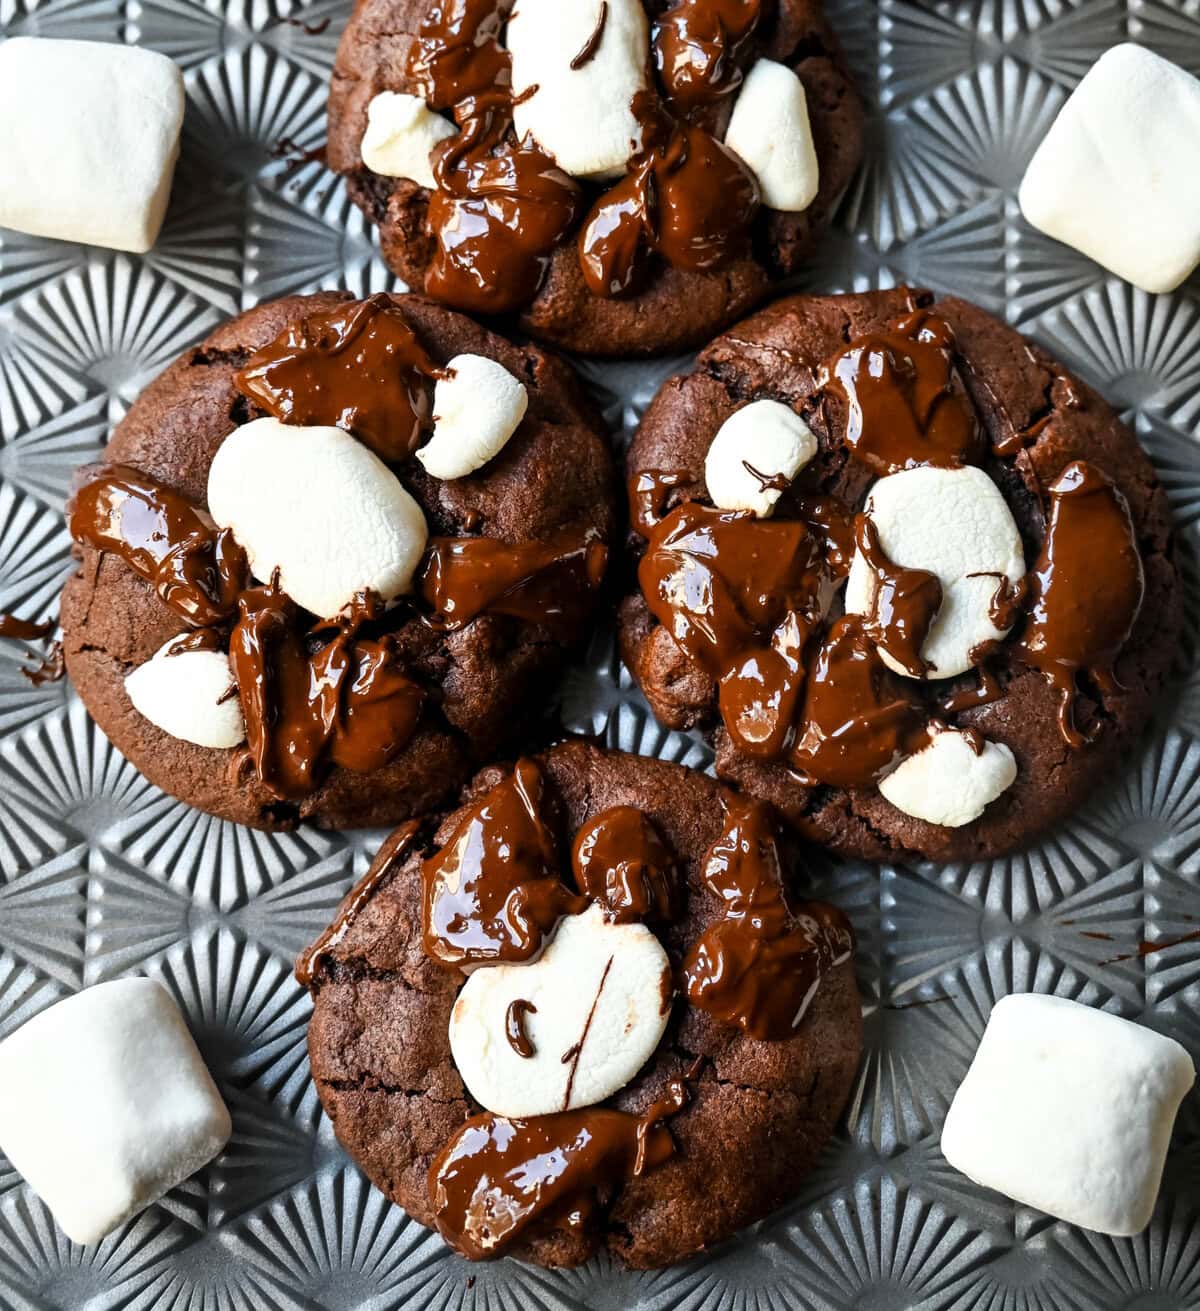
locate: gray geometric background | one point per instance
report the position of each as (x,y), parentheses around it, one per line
(102,875)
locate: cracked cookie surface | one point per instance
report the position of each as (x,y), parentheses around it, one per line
(759,1111)
(555,472)
(1025,400)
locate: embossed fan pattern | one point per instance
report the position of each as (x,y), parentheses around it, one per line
(101,875)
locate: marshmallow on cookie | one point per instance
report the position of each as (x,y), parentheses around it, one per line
(568,1030)
(477,407)
(402,132)
(337,522)
(758,448)
(189,694)
(955,524)
(770,132)
(952,781)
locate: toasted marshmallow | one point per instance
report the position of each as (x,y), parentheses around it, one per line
(947,783)
(1118,174)
(317,505)
(770,133)
(596,1004)
(476,408)
(401,133)
(1069,1109)
(769,438)
(582,116)
(90,140)
(188,696)
(105,1105)
(953,523)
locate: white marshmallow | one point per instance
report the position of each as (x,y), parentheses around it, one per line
(183,695)
(946,783)
(1118,174)
(770,133)
(401,133)
(321,508)
(476,410)
(597,986)
(90,140)
(583,117)
(1069,1109)
(953,523)
(105,1105)
(771,438)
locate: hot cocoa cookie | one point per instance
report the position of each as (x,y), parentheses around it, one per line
(600,968)
(626,177)
(330,554)
(917,579)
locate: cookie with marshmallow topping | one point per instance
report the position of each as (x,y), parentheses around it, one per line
(406,1053)
(957,610)
(313,538)
(593,87)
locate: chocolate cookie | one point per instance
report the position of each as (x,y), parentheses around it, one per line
(386,628)
(1012,605)
(616,217)
(604,864)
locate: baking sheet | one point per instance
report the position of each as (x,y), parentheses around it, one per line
(102,875)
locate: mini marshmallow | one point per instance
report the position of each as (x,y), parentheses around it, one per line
(953,523)
(317,505)
(770,133)
(91,140)
(105,1105)
(598,1001)
(401,133)
(1069,1109)
(582,116)
(187,696)
(1118,174)
(771,439)
(477,408)
(946,783)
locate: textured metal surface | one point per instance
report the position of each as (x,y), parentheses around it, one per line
(101,875)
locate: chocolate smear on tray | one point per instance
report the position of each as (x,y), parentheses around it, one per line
(906,399)
(395,847)
(358,367)
(197,569)
(621,861)
(496,1176)
(760,966)
(493,893)
(1086,587)
(24,629)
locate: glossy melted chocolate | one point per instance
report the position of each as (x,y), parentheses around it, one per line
(700,48)
(496,1176)
(760,966)
(345,703)
(621,861)
(492,893)
(358,367)
(541,582)
(25,629)
(907,402)
(197,570)
(1087,588)
(905,605)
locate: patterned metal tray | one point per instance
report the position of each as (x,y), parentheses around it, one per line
(102,875)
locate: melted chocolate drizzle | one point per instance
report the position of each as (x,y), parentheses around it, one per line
(496,1176)
(907,402)
(493,893)
(196,569)
(700,48)
(541,582)
(760,966)
(346,704)
(593,43)
(514,1027)
(1086,587)
(358,367)
(905,605)
(621,861)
